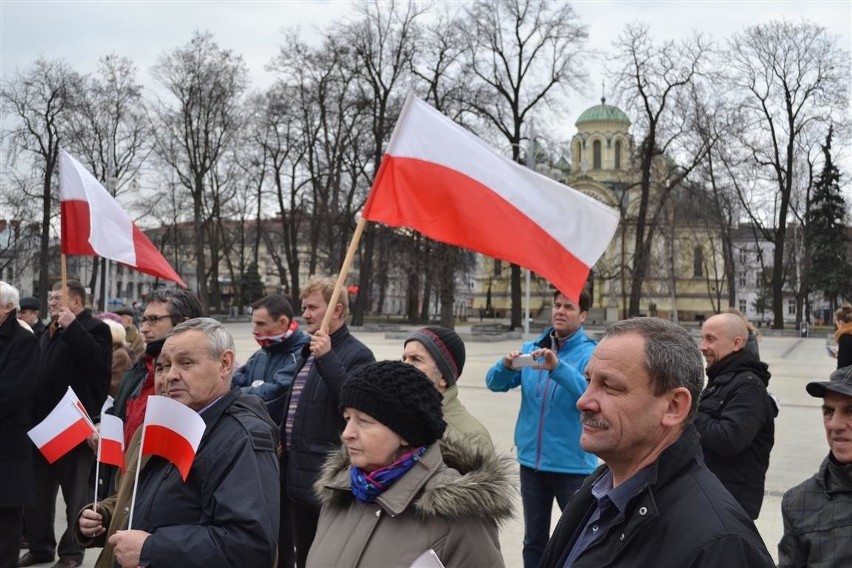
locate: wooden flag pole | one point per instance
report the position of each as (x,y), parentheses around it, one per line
(344,271)
(64,272)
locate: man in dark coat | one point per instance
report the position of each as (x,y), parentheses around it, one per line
(313,421)
(76,351)
(736,416)
(654,502)
(817,513)
(269,372)
(30,312)
(19,357)
(226,512)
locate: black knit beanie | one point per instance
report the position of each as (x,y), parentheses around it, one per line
(401,397)
(446,347)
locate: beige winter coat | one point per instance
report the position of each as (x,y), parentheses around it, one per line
(451,503)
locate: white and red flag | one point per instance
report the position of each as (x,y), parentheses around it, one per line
(111,440)
(445,182)
(63,429)
(172,430)
(94,224)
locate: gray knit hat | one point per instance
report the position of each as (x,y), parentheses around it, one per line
(446,348)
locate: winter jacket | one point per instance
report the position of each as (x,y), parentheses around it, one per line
(681,518)
(318,422)
(736,420)
(227,512)
(19,359)
(79,356)
(451,501)
(817,517)
(547,433)
(270,371)
(460,422)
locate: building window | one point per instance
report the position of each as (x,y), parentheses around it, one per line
(791,307)
(498,267)
(742,306)
(742,279)
(578,154)
(596,152)
(743,255)
(618,154)
(698,262)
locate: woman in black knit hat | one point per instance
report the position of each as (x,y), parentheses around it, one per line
(394,492)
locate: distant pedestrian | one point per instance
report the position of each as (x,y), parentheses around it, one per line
(736,415)
(30,312)
(843,335)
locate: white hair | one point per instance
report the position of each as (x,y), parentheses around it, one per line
(9,295)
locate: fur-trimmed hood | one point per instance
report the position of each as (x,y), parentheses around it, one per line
(453,479)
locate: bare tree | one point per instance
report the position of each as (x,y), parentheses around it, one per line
(383,40)
(197,126)
(784,78)
(656,83)
(40,99)
(109,132)
(521,54)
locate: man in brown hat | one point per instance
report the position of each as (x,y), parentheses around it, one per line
(817,513)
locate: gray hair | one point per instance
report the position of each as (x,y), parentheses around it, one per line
(219,339)
(672,358)
(9,295)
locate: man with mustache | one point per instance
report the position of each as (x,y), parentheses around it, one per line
(547,432)
(817,513)
(653,502)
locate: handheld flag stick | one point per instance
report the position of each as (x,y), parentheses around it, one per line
(64,269)
(136,479)
(344,271)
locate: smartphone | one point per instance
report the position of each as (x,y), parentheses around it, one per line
(830,350)
(525,360)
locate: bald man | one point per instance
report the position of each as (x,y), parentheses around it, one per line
(736,416)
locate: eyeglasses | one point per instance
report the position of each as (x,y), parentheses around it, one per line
(151,320)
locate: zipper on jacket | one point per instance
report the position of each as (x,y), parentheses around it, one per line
(541,420)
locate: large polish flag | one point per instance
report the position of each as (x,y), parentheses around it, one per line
(111,440)
(172,430)
(445,182)
(93,223)
(63,429)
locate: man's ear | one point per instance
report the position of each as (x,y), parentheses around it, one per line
(679,404)
(227,361)
(739,343)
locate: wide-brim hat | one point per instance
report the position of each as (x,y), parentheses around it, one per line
(839,382)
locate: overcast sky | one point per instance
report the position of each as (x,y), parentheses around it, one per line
(82,31)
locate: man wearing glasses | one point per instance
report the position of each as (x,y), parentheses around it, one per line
(164,309)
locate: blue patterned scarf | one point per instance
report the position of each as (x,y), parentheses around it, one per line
(367,486)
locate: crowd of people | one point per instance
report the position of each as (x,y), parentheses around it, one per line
(654,447)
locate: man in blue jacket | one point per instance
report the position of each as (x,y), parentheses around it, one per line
(270,371)
(547,433)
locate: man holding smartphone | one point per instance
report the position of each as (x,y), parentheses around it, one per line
(550,372)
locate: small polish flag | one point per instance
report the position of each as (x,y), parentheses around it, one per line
(445,182)
(94,224)
(63,429)
(111,441)
(172,430)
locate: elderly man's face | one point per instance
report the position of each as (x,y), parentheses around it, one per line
(29,316)
(415,353)
(192,376)
(620,414)
(837,419)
